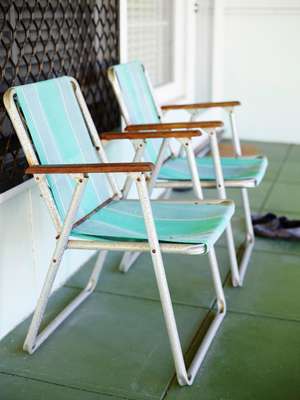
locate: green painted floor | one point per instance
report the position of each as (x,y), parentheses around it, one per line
(115,346)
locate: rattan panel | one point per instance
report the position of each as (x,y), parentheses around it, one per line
(41,39)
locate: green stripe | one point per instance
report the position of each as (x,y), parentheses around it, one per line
(139,102)
(179,223)
(60,136)
(233,169)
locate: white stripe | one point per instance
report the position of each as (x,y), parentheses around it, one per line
(42,143)
(76,138)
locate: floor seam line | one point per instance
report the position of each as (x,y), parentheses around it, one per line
(62,385)
(263,316)
(140,298)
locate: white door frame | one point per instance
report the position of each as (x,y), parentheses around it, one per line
(183,88)
(218,51)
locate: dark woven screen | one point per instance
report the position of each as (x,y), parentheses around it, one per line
(41,39)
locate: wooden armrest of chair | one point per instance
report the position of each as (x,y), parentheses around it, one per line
(90,168)
(149,134)
(222,104)
(175,125)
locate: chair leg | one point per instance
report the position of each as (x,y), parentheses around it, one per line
(34,339)
(246,248)
(128,260)
(184,376)
(215,324)
(235,273)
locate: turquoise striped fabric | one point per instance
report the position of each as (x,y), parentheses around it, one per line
(139,101)
(140,105)
(175,222)
(236,169)
(60,136)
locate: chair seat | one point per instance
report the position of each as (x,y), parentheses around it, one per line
(234,169)
(200,222)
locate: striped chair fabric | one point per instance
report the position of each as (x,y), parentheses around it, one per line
(139,101)
(235,169)
(141,109)
(60,136)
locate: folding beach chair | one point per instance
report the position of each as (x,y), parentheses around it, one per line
(142,113)
(64,151)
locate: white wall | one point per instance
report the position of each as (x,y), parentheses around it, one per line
(27,242)
(261,67)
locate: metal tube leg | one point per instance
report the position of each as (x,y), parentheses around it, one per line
(128,260)
(217,280)
(162,284)
(249,242)
(235,275)
(94,278)
(34,339)
(30,341)
(247,211)
(215,324)
(250,238)
(184,377)
(61,244)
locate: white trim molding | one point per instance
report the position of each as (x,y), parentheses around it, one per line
(22,187)
(262,7)
(218,51)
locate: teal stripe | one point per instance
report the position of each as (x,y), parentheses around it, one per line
(244,168)
(60,136)
(139,101)
(179,223)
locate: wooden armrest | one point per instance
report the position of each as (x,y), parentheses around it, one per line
(221,104)
(89,168)
(149,134)
(174,125)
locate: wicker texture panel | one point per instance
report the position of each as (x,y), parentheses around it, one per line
(41,39)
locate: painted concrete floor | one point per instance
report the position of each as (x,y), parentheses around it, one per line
(115,347)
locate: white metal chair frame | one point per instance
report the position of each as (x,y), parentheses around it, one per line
(238,271)
(80,173)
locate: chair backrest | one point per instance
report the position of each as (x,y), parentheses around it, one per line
(60,134)
(136,99)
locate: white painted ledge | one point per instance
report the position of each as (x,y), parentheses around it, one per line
(11,193)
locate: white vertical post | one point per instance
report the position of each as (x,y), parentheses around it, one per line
(218,51)
(123,24)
